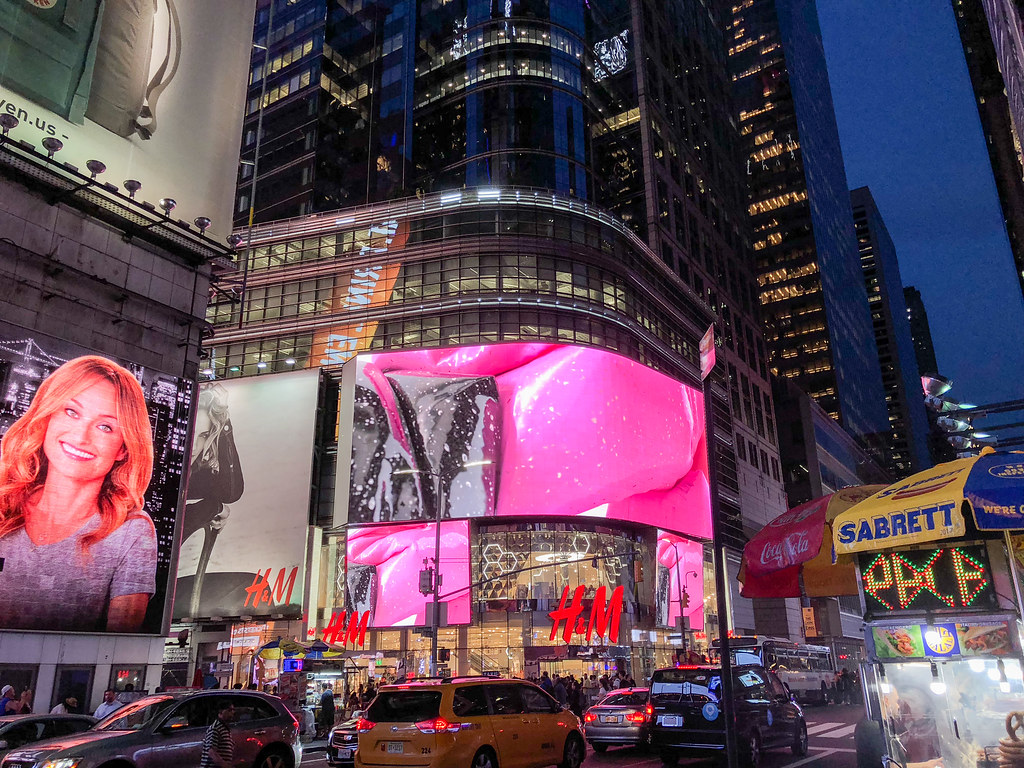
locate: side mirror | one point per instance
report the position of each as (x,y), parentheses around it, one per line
(174,724)
(3,744)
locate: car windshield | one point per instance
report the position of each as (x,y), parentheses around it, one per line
(404,706)
(701,684)
(137,715)
(629,699)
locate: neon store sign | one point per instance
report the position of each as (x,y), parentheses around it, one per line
(604,615)
(933,579)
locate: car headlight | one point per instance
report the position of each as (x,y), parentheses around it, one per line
(63,762)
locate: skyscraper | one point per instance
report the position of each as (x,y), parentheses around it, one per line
(609,110)
(815,310)
(993,42)
(908,425)
(920,331)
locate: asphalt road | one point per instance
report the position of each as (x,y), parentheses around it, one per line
(830,745)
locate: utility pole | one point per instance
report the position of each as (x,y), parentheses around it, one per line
(707,364)
(435,615)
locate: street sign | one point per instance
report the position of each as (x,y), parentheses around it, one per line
(707,353)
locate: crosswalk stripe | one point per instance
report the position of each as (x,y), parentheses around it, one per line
(839,734)
(814,729)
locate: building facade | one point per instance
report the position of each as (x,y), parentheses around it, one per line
(818,326)
(993,43)
(908,423)
(819,458)
(616,110)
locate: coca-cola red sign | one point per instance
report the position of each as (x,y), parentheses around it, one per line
(790,539)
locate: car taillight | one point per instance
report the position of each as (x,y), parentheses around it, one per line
(438,725)
(649,710)
(364,725)
(589,717)
(635,717)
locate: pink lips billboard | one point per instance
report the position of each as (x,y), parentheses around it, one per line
(511,430)
(521,430)
(383,565)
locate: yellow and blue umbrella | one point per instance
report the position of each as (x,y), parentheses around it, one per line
(318,649)
(281,649)
(931,505)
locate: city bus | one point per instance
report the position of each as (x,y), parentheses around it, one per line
(808,670)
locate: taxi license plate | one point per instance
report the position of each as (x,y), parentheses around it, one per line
(609,719)
(344,754)
(673,721)
(394,747)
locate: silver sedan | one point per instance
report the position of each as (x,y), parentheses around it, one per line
(617,719)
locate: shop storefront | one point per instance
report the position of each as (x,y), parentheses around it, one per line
(569,598)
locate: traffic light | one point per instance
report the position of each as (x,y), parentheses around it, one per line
(443,655)
(686,598)
(426,581)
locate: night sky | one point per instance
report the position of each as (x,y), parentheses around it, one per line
(910,131)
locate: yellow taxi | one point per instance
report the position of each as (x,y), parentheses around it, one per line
(468,722)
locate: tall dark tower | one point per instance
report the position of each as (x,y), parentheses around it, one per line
(990,32)
(813,301)
(920,331)
(907,438)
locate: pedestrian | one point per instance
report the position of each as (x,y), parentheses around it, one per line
(8,705)
(558,689)
(218,749)
(545,682)
(590,689)
(326,721)
(67,706)
(25,703)
(109,704)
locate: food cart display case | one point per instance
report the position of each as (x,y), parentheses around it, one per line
(944,666)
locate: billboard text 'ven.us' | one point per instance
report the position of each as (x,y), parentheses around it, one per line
(152,88)
(91,465)
(246,519)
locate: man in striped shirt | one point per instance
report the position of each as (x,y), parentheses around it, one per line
(218,750)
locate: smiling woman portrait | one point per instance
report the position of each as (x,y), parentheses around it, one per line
(79,551)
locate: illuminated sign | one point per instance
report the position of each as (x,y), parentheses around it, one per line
(354,633)
(291,665)
(949,577)
(603,615)
(917,641)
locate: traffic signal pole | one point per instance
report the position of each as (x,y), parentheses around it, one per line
(718,556)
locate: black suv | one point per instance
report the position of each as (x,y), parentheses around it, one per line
(685,713)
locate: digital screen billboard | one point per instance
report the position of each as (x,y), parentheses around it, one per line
(152,88)
(91,459)
(680,581)
(382,572)
(246,520)
(521,429)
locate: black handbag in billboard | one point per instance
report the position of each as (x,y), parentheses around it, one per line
(92,59)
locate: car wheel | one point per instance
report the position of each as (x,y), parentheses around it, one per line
(752,751)
(485,758)
(800,739)
(573,753)
(599,747)
(273,758)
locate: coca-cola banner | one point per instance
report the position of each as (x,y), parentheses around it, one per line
(801,534)
(792,538)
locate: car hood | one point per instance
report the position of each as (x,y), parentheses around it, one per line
(46,749)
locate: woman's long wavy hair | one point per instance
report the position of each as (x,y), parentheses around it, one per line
(23,465)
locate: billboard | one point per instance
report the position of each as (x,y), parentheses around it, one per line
(382,572)
(520,429)
(680,581)
(91,459)
(246,520)
(152,88)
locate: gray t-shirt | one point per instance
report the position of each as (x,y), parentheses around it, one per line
(53,587)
